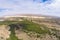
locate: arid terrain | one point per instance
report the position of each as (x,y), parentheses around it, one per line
(29,27)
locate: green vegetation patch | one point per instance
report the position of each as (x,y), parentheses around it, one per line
(30,26)
(12,35)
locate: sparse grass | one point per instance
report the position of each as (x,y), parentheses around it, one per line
(7,22)
(30,26)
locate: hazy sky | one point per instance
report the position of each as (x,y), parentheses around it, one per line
(46,7)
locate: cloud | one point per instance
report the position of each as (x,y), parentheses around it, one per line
(2,9)
(46,7)
(41,1)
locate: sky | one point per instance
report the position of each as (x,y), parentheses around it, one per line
(45,7)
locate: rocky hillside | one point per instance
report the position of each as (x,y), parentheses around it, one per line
(28,28)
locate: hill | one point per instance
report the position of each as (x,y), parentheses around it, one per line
(30,28)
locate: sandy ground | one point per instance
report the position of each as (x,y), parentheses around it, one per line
(22,35)
(4,33)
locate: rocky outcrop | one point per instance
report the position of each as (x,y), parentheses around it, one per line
(4,32)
